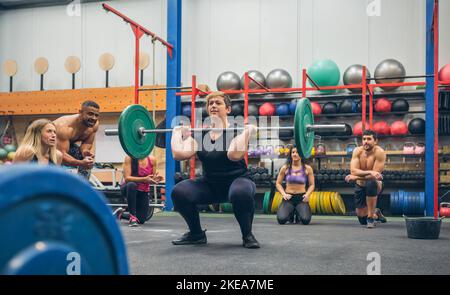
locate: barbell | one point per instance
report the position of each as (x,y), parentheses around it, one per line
(55,223)
(137,133)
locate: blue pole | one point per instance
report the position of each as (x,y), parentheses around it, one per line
(429,113)
(173,104)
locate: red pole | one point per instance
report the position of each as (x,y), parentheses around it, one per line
(363,99)
(304,83)
(137,34)
(193,97)
(435,104)
(246,82)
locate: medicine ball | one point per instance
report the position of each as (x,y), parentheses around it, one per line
(347,106)
(348,131)
(282,109)
(329,108)
(359,106)
(237,109)
(383,105)
(253,110)
(357,129)
(417,126)
(382,128)
(316,108)
(293,106)
(400,105)
(186,110)
(399,128)
(267,109)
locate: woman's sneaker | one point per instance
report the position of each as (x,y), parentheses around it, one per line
(380,215)
(133,221)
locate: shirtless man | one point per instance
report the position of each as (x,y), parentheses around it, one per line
(366,167)
(76,137)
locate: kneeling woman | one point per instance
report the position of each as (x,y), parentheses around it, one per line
(139,174)
(295,196)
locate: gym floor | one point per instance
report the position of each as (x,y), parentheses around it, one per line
(329,245)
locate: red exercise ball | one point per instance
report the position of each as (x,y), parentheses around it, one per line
(382,128)
(357,129)
(444,73)
(316,109)
(267,109)
(399,128)
(383,105)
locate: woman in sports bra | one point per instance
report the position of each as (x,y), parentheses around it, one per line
(138,175)
(299,179)
(39,144)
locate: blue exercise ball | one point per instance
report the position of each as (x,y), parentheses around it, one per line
(186,110)
(282,109)
(293,106)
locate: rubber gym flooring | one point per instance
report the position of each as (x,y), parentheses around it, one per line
(329,245)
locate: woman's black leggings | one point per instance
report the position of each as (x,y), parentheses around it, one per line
(294,206)
(137,201)
(186,195)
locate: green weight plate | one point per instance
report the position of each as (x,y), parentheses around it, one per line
(303,117)
(131,120)
(266,202)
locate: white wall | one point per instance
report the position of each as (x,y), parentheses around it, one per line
(27,34)
(235,35)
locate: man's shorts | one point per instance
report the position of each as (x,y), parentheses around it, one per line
(360,195)
(75,151)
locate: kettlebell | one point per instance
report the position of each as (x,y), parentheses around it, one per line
(350,147)
(320,149)
(408,148)
(419,149)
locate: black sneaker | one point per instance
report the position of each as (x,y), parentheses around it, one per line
(371,223)
(250,242)
(380,215)
(191,239)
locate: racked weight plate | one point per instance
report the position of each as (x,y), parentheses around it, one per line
(54,219)
(131,120)
(303,117)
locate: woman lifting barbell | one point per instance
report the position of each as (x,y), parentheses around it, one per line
(298,176)
(39,144)
(225,176)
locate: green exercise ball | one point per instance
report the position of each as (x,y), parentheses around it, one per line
(3,153)
(324,72)
(10,148)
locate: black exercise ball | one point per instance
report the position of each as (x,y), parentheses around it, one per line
(253,110)
(347,106)
(329,108)
(237,109)
(400,105)
(416,126)
(359,106)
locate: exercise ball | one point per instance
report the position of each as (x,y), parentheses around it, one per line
(278,78)
(399,128)
(228,81)
(348,105)
(282,109)
(357,129)
(316,108)
(400,105)
(382,128)
(383,105)
(3,153)
(237,109)
(10,148)
(186,110)
(267,109)
(416,126)
(253,110)
(353,75)
(324,73)
(359,106)
(389,68)
(256,75)
(329,108)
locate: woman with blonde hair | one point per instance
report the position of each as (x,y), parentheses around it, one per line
(39,144)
